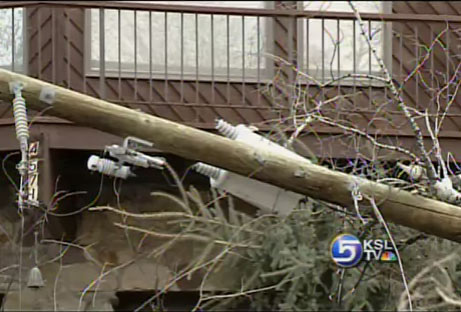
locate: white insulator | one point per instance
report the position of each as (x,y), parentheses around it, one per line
(445,191)
(226,129)
(207,170)
(246,134)
(20,120)
(415,172)
(108,167)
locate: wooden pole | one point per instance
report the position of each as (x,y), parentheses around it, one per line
(401,207)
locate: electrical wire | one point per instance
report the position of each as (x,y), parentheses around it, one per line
(6,172)
(48,212)
(92,203)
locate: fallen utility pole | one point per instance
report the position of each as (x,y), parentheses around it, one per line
(401,207)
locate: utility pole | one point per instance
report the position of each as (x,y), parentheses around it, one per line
(401,207)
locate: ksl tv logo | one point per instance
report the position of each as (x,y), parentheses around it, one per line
(347,250)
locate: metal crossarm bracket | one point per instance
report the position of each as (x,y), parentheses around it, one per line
(128,154)
(125,154)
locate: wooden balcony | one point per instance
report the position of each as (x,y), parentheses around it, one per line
(193,64)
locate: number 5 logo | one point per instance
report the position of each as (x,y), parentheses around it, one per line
(346,250)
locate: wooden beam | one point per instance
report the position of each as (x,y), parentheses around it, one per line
(192,9)
(397,206)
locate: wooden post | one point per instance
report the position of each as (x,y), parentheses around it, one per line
(46,183)
(424,214)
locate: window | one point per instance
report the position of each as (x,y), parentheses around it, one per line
(175,45)
(12,39)
(331,48)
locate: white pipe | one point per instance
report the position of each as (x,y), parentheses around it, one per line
(108,167)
